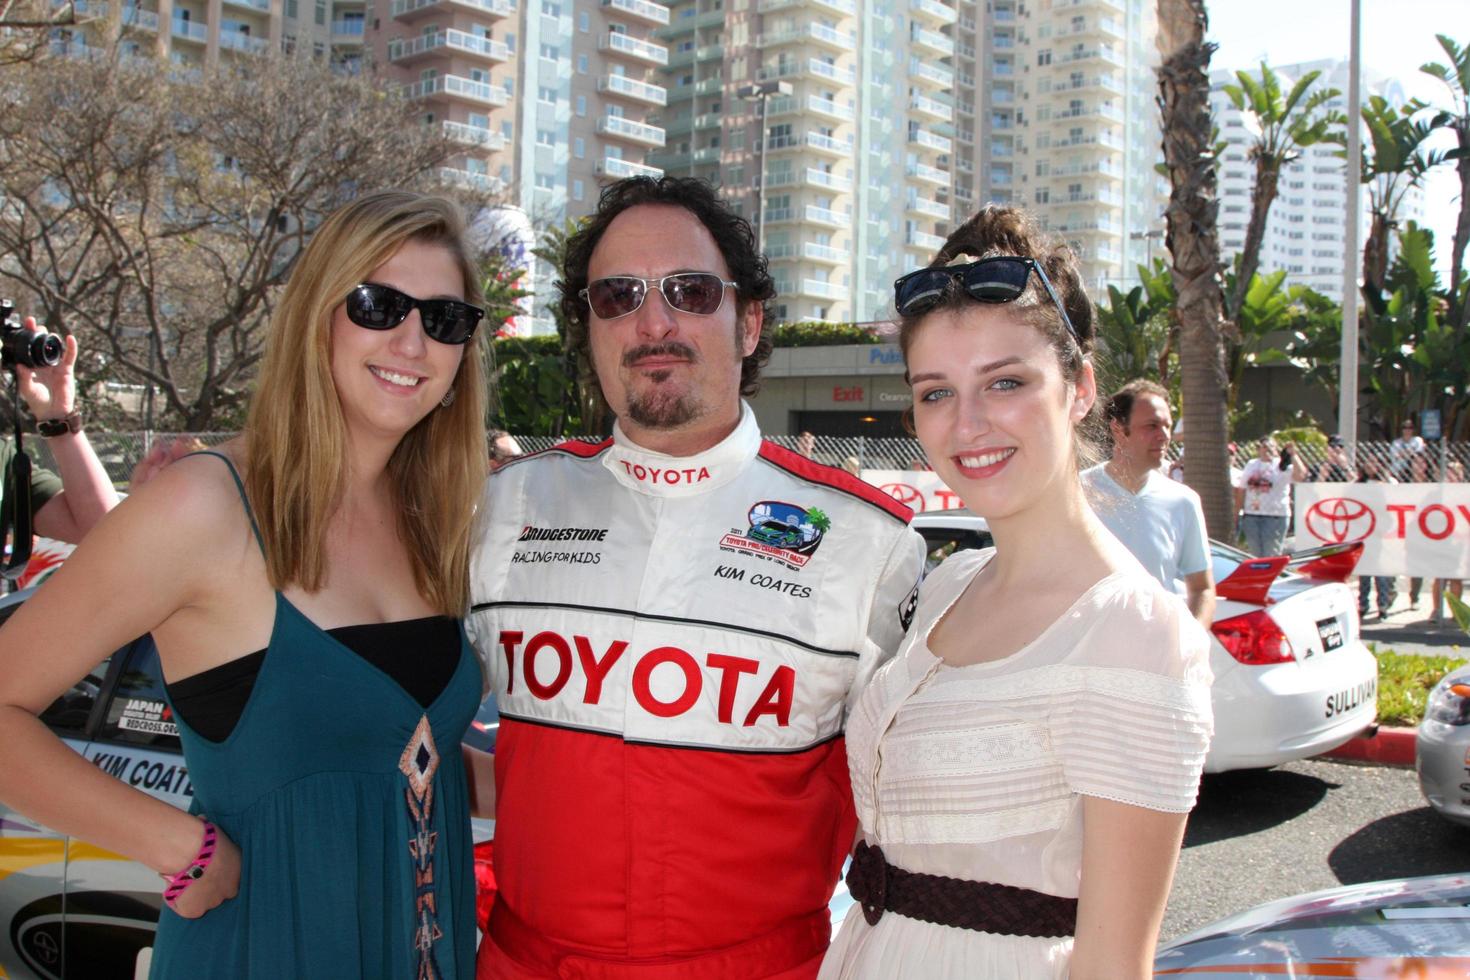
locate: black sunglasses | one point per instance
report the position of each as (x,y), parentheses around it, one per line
(998,279)
(700,293)
(378,307)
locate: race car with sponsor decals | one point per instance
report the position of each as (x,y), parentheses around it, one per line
(73,911)
(1407,927)
(1442,748)
(1293,678)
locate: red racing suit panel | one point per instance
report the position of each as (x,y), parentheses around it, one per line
(673,645)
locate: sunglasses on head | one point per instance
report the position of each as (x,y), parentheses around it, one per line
(379,307)
(700,293)
(999,279)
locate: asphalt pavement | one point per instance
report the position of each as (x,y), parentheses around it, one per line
(1259,835)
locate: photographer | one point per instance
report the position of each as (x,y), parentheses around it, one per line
(66,504)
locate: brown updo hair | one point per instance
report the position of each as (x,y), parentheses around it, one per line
(998,230)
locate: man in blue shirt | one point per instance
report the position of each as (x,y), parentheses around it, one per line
(1158,519)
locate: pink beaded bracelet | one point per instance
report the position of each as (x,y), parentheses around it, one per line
(183,879)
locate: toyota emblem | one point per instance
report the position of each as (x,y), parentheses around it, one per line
(1339,519)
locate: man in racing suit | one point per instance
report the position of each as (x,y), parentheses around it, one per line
(674,623)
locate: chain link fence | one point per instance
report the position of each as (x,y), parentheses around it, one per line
(1426,462)
(1416,462)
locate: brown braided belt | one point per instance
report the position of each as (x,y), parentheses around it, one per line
(1001,909)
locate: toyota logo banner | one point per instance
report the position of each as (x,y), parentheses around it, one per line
(1406,528)
(918,490)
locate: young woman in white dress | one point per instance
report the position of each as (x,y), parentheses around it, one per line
(1024,767)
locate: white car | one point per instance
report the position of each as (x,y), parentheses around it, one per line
(1292,676)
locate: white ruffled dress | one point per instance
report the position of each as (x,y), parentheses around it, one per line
(978,772)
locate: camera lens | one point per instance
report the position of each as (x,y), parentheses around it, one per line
(46,350)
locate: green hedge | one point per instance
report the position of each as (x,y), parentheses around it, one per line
(820,334)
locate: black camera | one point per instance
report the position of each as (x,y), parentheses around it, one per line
(32,348)
(1285,457)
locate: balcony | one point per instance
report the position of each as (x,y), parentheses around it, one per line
(146,20)
(242,42)
(1105,112)
(825,290)
(815,252)
(819,34)
(826,216)
(480,93)
(931,141)
(705,86)
(1104,82)
(933,41)
(1101,168)
(924,240)
(1104,197)
(1104,54)
(1090,227)
(814,67)
(933,108)
(816,177)
(934,11)
(408,10)
(631,88)
(684,25)
(690,55)
(425,46)
(830,109)
(351,28)
(259,6)
(933,74)
(928,207)
(643,10)
(843,8)
(472,180)
(928,174)
(830,145)
(632,47)
(1105,141)
(485,139)
(188,30)
(634,132)
(618,168)
(687,124)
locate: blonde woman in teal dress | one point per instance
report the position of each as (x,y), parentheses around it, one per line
(304,586)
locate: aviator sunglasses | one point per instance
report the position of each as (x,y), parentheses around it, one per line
(378,307)
(998,279)
(700,293)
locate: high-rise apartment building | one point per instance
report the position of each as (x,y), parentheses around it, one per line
(1305,231)
(853,134)
(1064,123)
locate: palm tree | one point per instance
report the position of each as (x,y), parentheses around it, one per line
(1194,243)
(1456,77)
(1393,162)
(1286,123)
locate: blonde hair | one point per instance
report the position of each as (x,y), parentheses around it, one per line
(297,439)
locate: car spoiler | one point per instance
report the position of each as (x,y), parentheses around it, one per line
(1329,563)
(1252,579)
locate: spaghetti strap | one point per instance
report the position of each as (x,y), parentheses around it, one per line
(240,486)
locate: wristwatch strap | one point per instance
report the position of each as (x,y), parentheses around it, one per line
(60,427)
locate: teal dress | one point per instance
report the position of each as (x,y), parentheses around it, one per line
(349,804)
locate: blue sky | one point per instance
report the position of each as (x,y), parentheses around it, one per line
(1397,37)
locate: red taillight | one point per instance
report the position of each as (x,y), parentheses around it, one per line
(484,883)
(1254,639)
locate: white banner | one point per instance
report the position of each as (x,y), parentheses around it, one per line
(919,490)
(1407,528)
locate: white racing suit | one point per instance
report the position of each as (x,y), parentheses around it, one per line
(673,644)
